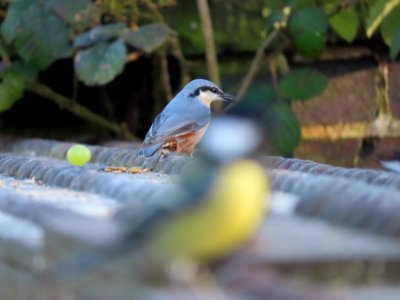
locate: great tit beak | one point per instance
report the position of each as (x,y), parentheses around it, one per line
(228,98)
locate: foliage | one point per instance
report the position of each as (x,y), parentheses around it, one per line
(307,27)
(36,33)
(308,20)
(101,36)
(281,125)
(100,63)
(147,38)
(308,24)
(345,23)
(100,33)
(302,84)
(378,11)
(11,89)
(273,106)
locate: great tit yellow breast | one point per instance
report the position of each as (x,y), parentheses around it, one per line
(229,214)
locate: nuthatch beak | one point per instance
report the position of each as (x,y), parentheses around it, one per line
(228,98)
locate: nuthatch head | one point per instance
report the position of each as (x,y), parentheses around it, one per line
(183,122)
(205,91)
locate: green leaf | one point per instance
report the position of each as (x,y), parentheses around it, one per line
(345,24)
(6,102)
(379,10)
(15,12)
(148,37)
(389,26)
(70,10)
(330,6)
(100,63)
(11,89)
(394,49)
(39,36)
(42,38)
(15,84)
(254,102)
(100,33)
(272,3)
(19,68)
(3,48)
(276,15)
(302,84)
(308,29)
(284,129)
(300,3)
(25,70)
(281,127)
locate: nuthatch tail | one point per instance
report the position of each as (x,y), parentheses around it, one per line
(183,122)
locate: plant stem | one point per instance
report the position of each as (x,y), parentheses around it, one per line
(158,89)
(133,56)
(74,87)
(211,53)
(165,75)
(77,109)
(176,50)
(255,64)
(173,41)
(5,57)
(154,9)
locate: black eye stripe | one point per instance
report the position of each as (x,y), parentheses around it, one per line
(205,89)
(208,88)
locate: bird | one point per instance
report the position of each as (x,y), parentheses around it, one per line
(219,202)
(224,217)
(183,122)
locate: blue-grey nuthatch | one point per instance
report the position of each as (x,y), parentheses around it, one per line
(183,122)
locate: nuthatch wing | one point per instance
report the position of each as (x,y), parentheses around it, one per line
(183,122)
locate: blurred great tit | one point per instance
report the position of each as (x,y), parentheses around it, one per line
(219,202)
